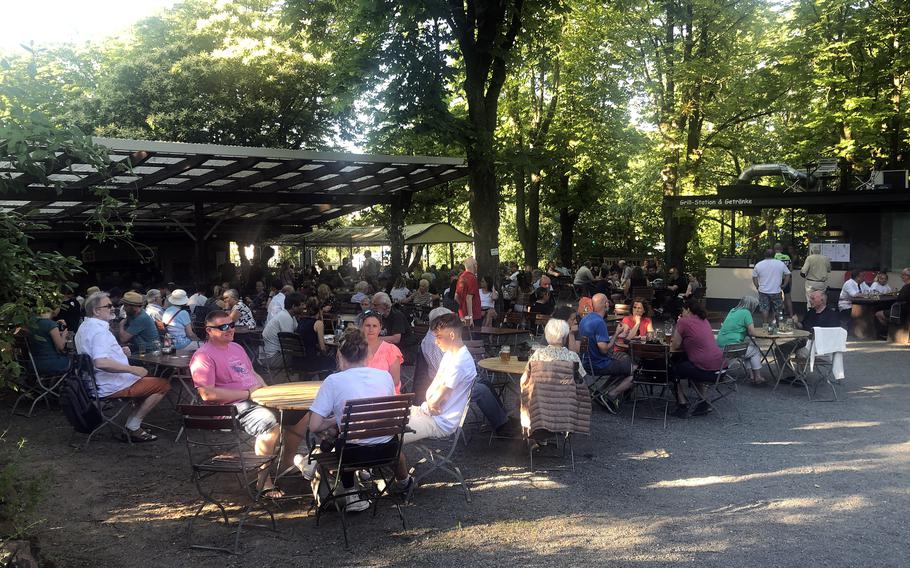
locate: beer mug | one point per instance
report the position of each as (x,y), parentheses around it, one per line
(505,353)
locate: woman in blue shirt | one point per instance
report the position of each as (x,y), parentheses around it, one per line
(46,343)
(178,321)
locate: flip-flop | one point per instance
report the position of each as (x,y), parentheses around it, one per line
(272,493)
(139,435)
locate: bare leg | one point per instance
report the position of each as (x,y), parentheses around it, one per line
(147,405)
(681,391)
(265,445)
(622,387)
(401,471)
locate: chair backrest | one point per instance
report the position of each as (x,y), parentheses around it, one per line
(516,319)
(653,361)
(583,354)
(376,417)
(645,292)
(895,316)
(291,345)
(733,351)
(199,330)
(829,340)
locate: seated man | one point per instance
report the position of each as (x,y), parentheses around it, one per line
(116,378)
(138,330)
(447,395)
(817,315)
(284,321)
(847,293)
(395,326)
(223,374)
(594,328)
(902,296)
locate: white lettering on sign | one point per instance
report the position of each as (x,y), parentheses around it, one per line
(494,252)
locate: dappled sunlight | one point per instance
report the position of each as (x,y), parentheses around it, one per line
(813,469)
(776,443)
(524,479)
(144,512)
(838,424)
(658,453)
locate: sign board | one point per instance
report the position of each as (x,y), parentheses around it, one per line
(711,201)
(494,252)
(836,252)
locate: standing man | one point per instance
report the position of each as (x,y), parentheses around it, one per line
(223,374)
(370,269)
(768,277)
(780,255)
(467,293)
(816,270)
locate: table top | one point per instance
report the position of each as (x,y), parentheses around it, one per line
(612,317)
(287,396)
(879,299)
(497,365)
(176,360)
(498,331)
(241,330)
(762,333)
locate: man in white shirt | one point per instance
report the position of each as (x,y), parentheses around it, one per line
(153,305)
(115,377)
(584,278)
(845,300)
(284,321)
(769,276)
(276,304)
(447,395)
(197,299)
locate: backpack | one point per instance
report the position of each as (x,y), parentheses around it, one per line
(78,397)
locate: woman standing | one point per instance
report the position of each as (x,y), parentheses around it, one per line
(737,325)
(638,324)
(699,359)
(383,355)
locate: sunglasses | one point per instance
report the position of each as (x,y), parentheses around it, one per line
(222,327)
(108,306)
(369,313)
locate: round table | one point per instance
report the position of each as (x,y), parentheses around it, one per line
(287,396)
(497,365)
(775,350)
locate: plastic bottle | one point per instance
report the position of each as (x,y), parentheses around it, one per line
(168,346)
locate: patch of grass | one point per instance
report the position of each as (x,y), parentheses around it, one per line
(21,490)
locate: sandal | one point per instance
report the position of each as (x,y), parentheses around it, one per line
(139,435)
(272,493)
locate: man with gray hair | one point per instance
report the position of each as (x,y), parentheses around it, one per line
(115,377)
(816,269)
(818,314)
(902,296)
(395,326)
(153,304)
(467,294)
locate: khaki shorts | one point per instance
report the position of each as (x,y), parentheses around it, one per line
(424,426)
(146,386)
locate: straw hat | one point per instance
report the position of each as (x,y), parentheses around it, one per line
(132,298)
(177,298)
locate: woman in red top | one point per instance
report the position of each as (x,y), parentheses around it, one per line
(636,325)
(700,357)
(382,355)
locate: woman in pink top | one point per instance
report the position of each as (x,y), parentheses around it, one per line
(383,355)
(703,358)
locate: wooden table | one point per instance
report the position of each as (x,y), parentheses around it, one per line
(177,365)
(494,333)
(863,311)
(287,396)
(495,364)
(775,350)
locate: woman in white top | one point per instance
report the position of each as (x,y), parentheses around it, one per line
(879,286)
(488,297)
(399,290)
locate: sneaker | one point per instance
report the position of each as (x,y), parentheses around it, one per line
(307,469)
(681,411)
(354,504)
(701,409)
(609,403)
(402,485)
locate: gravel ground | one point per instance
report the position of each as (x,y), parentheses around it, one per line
(793,483)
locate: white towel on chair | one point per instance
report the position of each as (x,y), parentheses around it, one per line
(829,340)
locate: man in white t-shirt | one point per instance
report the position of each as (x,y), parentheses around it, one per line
(769,276)
(447,395)
(284,321)
(276,304)
(845,300)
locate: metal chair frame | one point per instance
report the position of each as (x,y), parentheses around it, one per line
(223,457)
(724,384)
(439,460)
(361,419)
(110,408)
(645,381)
(563,441)
(34,386)
(293,352)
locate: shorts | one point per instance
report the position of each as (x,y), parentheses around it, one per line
(257,420)
(786,289)
(424,426)
(770,303)
(617,366)
(146,386)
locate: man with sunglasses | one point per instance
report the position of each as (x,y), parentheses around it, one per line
(223,374)
(116,378)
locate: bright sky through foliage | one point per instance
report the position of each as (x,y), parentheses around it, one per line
(58,21)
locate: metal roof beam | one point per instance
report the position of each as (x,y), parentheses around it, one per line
(190,196)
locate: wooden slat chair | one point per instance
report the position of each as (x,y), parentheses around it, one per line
(363,419)
(32,384)
(651,380)
(540,322)
(215,447)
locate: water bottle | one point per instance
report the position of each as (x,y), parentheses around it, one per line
(168,346)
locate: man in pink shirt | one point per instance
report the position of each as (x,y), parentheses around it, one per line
(467,292)
(223,374)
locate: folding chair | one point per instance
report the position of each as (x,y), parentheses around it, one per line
(363,419)
(554,406)
(651,379)
(215,446)
(82,377)
(540,322)
(439,460)
(724,384)
(32,384)
(598,384)
(833,342)
(294,356)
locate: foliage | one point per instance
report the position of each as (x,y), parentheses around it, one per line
(21,491)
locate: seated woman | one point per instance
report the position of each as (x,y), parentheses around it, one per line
(361,291)
(382,355)
(488,297)
(556,333)
(698,358)
(421,297)
(638,324)
(399,290)
(692,287)
(177,320)
(312,330)
(523,292)
(737,325)
(570,316)
(326,298)
(354,380)
(636,280)
(47,344)
(878,286)
(542,304)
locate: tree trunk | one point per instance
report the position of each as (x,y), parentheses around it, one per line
(567,221)
(484,204)
(395,229)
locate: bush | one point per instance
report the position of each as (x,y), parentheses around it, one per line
(21,491)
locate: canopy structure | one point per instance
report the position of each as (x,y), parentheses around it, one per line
(262,191)
(417,234)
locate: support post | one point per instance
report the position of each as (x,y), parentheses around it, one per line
(733,232)
(199,244)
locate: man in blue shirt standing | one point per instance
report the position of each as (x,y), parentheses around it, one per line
(594,328)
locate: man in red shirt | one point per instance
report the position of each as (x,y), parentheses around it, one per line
(467,292)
